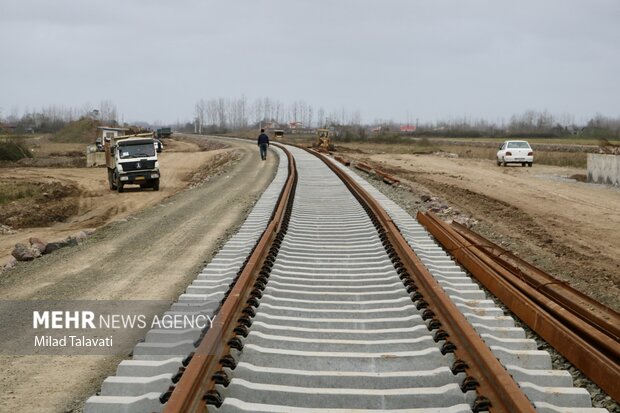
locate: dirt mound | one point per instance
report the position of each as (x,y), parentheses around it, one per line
(79,131)
(46,203)
(212,168)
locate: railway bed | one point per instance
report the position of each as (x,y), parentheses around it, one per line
(340,303)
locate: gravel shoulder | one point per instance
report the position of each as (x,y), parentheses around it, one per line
(149,255)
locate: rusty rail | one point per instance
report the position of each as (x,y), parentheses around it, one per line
(342,160)
(594,352)
(387,178)
(497,391)
(204,371)
(605,319)
(363,167)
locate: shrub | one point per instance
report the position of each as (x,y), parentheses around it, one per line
(12,150)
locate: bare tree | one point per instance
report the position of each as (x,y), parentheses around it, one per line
(221,113)
(107,111)
(310,113)
(321,118)
(356,118)
(200,110)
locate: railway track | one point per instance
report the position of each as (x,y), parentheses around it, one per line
(586,332)
(342,302)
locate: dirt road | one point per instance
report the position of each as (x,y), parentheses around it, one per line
(151,255)
(97,205)
(569,228)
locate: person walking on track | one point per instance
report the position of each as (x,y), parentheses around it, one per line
(263,144)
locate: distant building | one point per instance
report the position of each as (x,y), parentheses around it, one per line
(407,128)
(110,132)
(271,124)
(295,125)
(4,128)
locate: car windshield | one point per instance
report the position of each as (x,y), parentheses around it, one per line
(136,151)
(518,145)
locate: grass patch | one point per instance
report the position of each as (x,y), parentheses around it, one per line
(570,159)
(12,150)
(13,191)
(578,140)
(555,158)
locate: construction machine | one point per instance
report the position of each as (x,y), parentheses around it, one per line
(323,143)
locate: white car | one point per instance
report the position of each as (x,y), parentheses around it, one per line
(515,152)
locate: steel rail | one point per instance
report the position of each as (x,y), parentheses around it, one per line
(605,319)
(546,317)
(496,389)
(202,373)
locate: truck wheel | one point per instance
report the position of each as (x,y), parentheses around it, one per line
(156,184)
(119,186)
(112,179)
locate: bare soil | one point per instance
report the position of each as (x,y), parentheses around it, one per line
(568,228)
(52,202)
(74,199)
(147,255)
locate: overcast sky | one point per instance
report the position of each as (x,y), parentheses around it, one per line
(390,59)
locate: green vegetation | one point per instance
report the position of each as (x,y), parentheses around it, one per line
(13,150)
(13,191)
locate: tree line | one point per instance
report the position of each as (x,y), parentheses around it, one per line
(228,114)
(52,118)
(224,114)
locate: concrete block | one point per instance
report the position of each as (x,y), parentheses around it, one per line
(135,386)
(146,368)
(146,403)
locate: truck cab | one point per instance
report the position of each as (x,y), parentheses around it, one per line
(132,161)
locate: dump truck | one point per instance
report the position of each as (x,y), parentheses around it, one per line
(163,133)
(132,160)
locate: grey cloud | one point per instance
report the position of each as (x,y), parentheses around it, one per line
(431,59)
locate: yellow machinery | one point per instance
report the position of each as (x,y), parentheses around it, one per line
(323,141)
